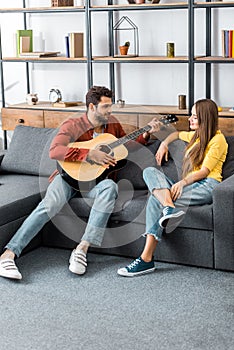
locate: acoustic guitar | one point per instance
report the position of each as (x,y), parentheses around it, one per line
(84,171)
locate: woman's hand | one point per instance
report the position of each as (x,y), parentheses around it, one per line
(161,153)
(177,189)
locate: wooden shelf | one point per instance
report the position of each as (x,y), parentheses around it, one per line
(214,4)
(126,109)
(136,59)
(144,6)
(140,59)
(42,9)
(43,59)
(214,59)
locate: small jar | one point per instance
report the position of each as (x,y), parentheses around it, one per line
(31,99)
(120,103)
(182,101)
(170,50)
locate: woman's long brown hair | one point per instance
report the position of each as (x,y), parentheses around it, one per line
(207,114)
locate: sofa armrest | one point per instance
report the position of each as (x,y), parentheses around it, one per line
(223,210)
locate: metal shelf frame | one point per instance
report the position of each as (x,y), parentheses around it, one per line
(110,8)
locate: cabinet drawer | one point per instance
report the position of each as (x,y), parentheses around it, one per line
(53,119)
(13,117)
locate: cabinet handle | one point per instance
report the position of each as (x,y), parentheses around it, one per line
(21,121)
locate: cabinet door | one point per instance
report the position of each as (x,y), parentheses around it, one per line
(12,117)
(53,119)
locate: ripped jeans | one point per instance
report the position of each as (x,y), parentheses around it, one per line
(57,195)
(198,193)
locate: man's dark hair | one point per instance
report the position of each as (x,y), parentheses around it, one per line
(95,93)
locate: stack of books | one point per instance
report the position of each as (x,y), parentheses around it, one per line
(228,43)
(74,45)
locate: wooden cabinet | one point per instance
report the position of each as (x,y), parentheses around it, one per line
(130,116)
(53,119)
(13,117)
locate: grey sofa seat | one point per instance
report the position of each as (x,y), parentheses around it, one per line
(19,195)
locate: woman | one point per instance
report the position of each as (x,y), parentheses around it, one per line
(201,172)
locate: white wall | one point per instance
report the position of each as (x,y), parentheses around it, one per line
(136,83)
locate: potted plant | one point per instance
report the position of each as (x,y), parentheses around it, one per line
(124,48)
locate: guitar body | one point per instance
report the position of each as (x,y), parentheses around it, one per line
(85,171)
(77,173)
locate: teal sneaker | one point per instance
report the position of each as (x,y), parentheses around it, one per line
(171,218)
(137,267)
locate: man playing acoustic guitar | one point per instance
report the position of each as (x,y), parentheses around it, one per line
(96,121)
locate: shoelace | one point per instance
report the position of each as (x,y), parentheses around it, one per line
(167,211)
(134,263)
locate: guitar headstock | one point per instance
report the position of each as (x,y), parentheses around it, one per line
(168,119)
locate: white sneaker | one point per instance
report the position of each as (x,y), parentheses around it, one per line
(9,269)
(78,262)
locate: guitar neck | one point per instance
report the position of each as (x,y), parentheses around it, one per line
(132,136)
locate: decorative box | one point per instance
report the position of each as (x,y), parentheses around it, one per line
(60,3)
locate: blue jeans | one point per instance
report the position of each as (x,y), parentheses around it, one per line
(198,193)
(57,195)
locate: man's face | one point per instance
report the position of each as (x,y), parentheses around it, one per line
(103,110)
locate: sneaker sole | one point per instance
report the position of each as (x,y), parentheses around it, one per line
(132,274)
(6,275)
(74,270)
(173,219)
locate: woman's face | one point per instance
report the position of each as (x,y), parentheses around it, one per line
(193,120)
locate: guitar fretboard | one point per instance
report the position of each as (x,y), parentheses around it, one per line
(133,135)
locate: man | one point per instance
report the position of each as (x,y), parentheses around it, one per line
(96,120)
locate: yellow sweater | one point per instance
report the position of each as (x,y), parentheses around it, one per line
(215,153)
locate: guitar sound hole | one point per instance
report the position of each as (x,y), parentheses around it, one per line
(106,149)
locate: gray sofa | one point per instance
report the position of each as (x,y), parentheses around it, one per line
(204,238)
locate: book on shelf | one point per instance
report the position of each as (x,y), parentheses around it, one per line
(64,104)
(24,44)
(75,45)
(67,46)
(230,43)
(24,40)
(39,54)
(227,43)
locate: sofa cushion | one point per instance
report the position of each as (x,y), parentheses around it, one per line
(19,195)
(28,151)
(228,166)
(139,158)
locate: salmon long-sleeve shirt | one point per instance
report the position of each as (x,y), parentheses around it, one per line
(78,130)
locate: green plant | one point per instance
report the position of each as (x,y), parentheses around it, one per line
(127,43)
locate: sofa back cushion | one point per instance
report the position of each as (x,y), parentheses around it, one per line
(139,158)
(144,156)
(28,151)
(228,166)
